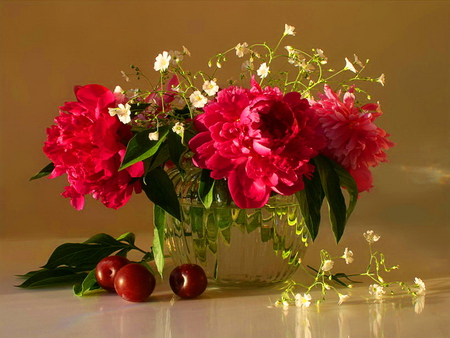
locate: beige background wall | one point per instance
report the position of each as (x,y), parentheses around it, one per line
(47,47)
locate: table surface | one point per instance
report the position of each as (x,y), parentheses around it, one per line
(244,312)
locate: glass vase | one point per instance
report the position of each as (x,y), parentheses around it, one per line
(235,246)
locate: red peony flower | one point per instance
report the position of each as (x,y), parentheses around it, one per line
(88,145)
(353,140)
(259,140)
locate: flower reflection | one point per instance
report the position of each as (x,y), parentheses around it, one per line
(419,304)
(376,318)
(344,328)
(302,324)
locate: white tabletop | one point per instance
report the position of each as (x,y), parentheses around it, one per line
(56,312)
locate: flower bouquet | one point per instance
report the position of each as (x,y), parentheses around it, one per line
(286,126)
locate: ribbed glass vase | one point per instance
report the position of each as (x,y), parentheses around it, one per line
(235,246)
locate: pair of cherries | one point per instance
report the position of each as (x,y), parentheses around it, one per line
(135,283)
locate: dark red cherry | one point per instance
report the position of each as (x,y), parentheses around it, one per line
(188,280)
(134,282)
(107,269)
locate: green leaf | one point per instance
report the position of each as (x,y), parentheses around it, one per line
(332,188)
(160,190)
(206,188)
(86,254)
(182,113)
(176,149)
(159,217)
(141,147)
(28,274)
(148,257)
(347,181)
(128,237)
(310,201)
(137,108)
(44,172)
(89,283)
(51,277)
(188,135)
(161,156)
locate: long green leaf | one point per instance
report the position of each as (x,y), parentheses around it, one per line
(332,188)
(128,237)
(310,201)
(89,283)
(176,149)
(348,182)
(160,157)
(47,170)
(206,188)
(159,217)
(50,277)
(141,147)
(86,254)
(160,190)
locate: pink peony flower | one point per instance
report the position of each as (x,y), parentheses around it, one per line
(259,140)
(353,139)
(88,145)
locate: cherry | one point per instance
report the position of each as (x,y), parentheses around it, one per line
(188,280)
(134,282)
(107,269)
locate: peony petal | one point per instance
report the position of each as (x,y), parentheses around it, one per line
(246,192)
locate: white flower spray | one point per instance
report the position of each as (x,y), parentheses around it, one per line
(324,278)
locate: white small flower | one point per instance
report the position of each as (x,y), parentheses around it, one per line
(382,79)
(247,65)
(349,66)
(371,237)
(197,99)
(210,87)
(289,30)
(348,256)
(162,62)
(326,286)
(421,285)
(218,64)
(154,136)
(377,291)
(302,301)
(119,95)
(178,128)
(186,51)
(242,49)
(357,61)
(175,57)
(322,56)
(125,76)
(295,57)
(342,298)
(132,93)
(307,66)
(289,49)
(123,112)
(263,71)
(327,265)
